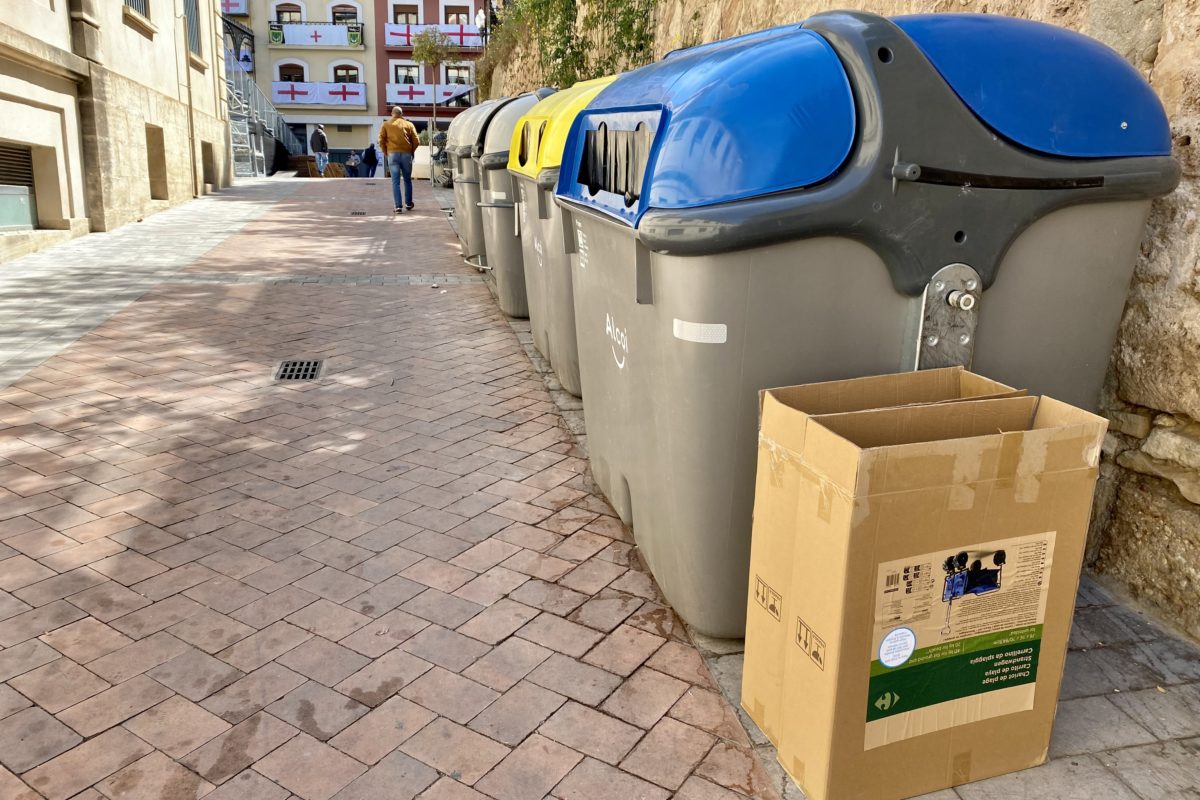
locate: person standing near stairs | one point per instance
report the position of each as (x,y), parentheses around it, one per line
(398,141)
(320,147)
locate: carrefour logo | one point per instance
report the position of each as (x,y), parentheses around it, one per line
(619,341)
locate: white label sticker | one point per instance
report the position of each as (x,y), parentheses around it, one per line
(897,647)
(701,332)
(581,245)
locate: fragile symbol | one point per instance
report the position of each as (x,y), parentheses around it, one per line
(767,597)
(886,700)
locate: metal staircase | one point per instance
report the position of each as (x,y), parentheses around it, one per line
(256,126)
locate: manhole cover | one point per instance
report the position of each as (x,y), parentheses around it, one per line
(358,213)
(299,370)
(370,183)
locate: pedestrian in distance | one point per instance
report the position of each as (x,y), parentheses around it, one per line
(352,163)
(398,141)
(370,160)
(319,143)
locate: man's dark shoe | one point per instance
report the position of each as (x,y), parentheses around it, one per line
(399,210)
(410,206)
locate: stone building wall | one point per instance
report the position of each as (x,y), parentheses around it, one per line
(1146,530)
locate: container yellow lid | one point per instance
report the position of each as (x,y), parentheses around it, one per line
(540,135)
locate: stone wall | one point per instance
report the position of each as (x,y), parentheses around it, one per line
(1146,530)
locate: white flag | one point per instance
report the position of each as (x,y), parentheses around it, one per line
(307,33)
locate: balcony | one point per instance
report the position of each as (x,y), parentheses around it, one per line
(294,93)
(316,34)
(466,37)
(421,94)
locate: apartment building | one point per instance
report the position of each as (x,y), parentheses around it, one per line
(344,63)
(110,110)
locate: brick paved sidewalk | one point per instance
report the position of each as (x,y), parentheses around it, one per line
(396,581)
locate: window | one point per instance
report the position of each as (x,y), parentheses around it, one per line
(140,6)
(293,73)
(191,10)
(288,12)
(458,15)
(407,73)
(344,15)
(404,15)
(345,74)
(460,75)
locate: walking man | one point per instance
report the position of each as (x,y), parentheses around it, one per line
(370,159)
(320,147)
(398,141)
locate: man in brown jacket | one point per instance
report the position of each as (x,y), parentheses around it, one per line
(398,141)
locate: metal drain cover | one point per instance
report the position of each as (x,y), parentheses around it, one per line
(358,213)
(299,370)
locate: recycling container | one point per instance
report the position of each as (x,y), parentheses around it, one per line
(848,196)
(466,181)
(535,154)
(453,140)
(497,204)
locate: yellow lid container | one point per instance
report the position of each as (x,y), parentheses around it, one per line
(540,135)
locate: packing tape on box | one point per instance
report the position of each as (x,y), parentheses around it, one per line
(960,768)
(778,456)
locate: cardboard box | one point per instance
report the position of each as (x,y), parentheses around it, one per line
(933,589)
(768,605)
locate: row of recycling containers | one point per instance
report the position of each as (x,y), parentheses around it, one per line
(853,195)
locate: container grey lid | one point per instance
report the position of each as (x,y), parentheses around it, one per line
(498,137)
(473,119)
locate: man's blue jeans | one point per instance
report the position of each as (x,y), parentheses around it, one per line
(322,162)
(400,164)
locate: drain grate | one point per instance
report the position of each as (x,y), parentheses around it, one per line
(358,213)
(298,370)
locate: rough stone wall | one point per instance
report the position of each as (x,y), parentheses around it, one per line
(1146,530)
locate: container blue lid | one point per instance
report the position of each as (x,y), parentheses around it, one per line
(762,113)
(1045,88)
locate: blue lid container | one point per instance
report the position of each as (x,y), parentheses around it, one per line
(1042,87)
(767,112)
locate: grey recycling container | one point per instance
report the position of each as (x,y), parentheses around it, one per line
(535,157)
(935,190)
(497,204)
(466,181)
(454,135)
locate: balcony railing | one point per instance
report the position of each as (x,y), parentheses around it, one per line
(465,36)
(316,34)
(295,93)
(421,94)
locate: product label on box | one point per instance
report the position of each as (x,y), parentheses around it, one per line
(957,635)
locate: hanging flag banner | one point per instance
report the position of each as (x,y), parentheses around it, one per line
(401,35)
(450,91)
(411,93)
(463,35)
(240,7)
(342,94)
(315,35)
(290,93)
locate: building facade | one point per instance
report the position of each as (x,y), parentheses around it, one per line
(344,63)
(110,110)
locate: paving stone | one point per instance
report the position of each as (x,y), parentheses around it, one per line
(109,600)
(114,706)
(235,563)
(397,777)
(136,658)
(32,737)
(624,650)
(282,573)
(441,608)
(245,743)
(437,574)
(333,584)
(385,633)
(156,617)
(19,571)
(128,568)
(152,778)
(86,640)
(559,634)
(25,657)
(591,732)
(517,713)
(445,648)
(1165,770)
(668,753)
(581,682)
(592,575)
(223,594)
(274,606)
(195,674)
(454,750)
(382,730)
(252,693)
(537,565)
(383,677)
(60,586)
(323,661)
(14,788)
(384,596)
(1171,712)
(176,726)
(548,597)
(1091,724)
(384,565)
(594,780)
(699,789)
(328,619)
(210,631)
(318,711)
(484,555)
(644,697)
(507,664)
(607,610)
(450,789)
(249,785)
(709,712)
(58,685)
(736,768)
(1078,778)
(38,621)
(92,761)
(311,769)
(175,580)
(11,702)
(450,695)
(529,771)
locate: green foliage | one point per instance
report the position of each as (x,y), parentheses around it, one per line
(621,33)
(433,48)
